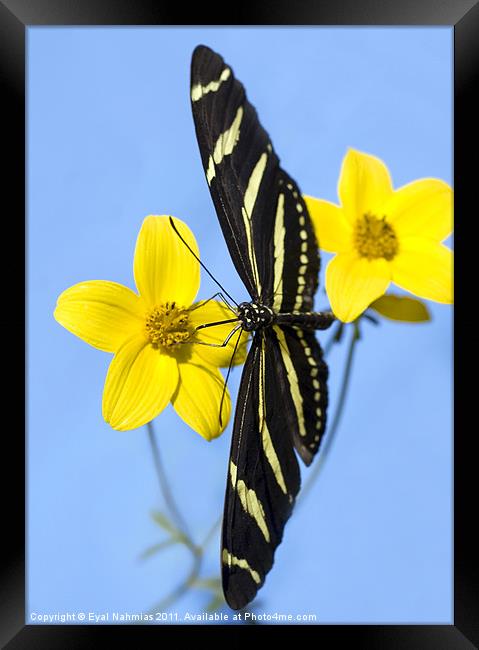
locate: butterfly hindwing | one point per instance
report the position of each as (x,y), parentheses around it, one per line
(263,476)
(305,377)
(296,256)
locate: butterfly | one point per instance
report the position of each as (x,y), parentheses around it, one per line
(282,399)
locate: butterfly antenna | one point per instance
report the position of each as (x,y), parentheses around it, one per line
(228,375)
(172,223)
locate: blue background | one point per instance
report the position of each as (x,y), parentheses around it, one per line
(111,140)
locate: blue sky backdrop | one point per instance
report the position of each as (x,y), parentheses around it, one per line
(111,140)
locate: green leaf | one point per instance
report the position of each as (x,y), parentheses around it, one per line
(401,308)
(156,548)
(163,521)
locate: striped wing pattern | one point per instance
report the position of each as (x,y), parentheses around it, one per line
(263,475)
(305,375)
(277,412)
(282,398)
(260,208)
(296,255)
(240,166)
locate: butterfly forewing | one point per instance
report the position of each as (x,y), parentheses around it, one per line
(263,475)
(241,167)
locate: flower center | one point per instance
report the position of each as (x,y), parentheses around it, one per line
(167,325)
(374,238)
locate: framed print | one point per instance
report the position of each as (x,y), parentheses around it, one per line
(239,324)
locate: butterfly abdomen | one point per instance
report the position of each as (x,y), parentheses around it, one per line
(255,316)
(306,320)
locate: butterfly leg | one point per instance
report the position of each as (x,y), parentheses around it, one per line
(228,373)
(230,307)
(202,303)
(228,338)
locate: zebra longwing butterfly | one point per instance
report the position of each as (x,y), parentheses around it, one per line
(282,398)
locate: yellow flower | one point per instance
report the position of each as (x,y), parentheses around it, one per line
(152,335)
(381,235)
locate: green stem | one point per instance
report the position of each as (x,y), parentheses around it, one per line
(337,414)
(164,487)
(174,511)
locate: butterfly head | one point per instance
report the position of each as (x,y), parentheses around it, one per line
(254,316)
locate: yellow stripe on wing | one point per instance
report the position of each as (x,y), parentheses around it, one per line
(249,201)
(268,446)
(231,560)
(279,232)
(249,500)
(292,380)
(198,91)
(224,145)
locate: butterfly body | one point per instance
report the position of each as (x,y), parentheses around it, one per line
(255,317)
(282,399)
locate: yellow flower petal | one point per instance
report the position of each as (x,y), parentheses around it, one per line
(333,230)
(401,308)
(139,384)
(197,400)
(213,312)
(101,313)
(364,185)
(425,268)
(165,270)
(421,209)
(353,282)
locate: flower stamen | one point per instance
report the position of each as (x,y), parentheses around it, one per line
(374,237)
(167,325)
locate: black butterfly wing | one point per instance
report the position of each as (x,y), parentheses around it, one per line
(263,473)
(282,398)
(295,251)
(241,168)
(259,206)
(304,379)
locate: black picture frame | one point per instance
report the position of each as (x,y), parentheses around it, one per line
(15,17)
